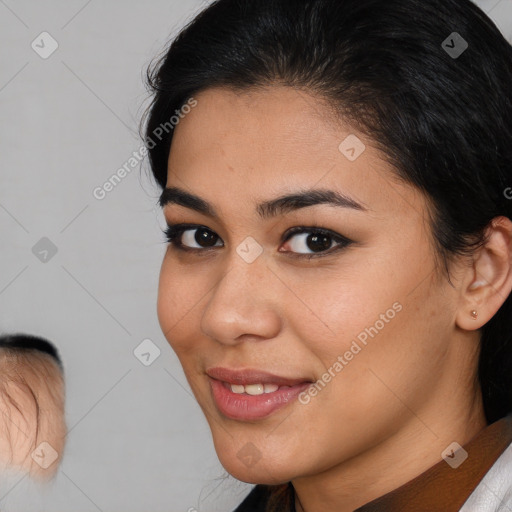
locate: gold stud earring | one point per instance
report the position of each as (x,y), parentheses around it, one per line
(474,314)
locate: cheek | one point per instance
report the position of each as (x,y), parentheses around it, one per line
(332,307)
(175,303)
(373,316)
(388,348)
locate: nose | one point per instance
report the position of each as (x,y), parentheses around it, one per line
(243,304)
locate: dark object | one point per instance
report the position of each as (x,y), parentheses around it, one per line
(256,500)
(30,342)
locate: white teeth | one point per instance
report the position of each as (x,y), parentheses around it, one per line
(270,388)
(254,389)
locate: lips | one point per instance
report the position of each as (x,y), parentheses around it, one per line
(247,376)
(248,394)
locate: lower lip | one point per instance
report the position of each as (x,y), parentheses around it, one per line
(238,406)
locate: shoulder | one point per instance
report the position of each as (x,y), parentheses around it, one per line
(494,492)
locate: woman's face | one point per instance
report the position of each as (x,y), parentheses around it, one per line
(369,320)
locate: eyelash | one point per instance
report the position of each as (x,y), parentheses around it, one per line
(174,231)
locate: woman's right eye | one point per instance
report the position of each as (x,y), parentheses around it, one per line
(184,236)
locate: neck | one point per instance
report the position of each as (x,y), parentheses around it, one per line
(412,449)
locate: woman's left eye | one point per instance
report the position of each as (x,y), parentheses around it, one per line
(317,240)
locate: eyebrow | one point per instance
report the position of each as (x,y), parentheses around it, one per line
(267,209)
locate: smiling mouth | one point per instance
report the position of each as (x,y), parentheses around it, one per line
(248,395)
(249,377)
(253,389)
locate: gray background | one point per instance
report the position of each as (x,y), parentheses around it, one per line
(138,442)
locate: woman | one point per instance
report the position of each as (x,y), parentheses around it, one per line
(338,275)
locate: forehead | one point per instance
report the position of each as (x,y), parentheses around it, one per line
(244,146)
(258,119)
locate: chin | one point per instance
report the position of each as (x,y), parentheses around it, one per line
(242,460)
(259,474)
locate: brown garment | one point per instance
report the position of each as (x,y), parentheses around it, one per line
(440,488)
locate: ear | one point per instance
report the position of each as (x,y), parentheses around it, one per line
(488,281)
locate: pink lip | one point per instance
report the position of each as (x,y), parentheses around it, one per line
(249,376)
(245,407)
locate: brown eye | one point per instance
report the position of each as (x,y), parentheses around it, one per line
(310,242)
(313,242)
(202,236)
(191,237)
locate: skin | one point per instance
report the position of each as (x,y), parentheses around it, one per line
(27,376)
(412,390)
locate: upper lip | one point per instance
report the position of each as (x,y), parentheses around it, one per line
(251,376)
